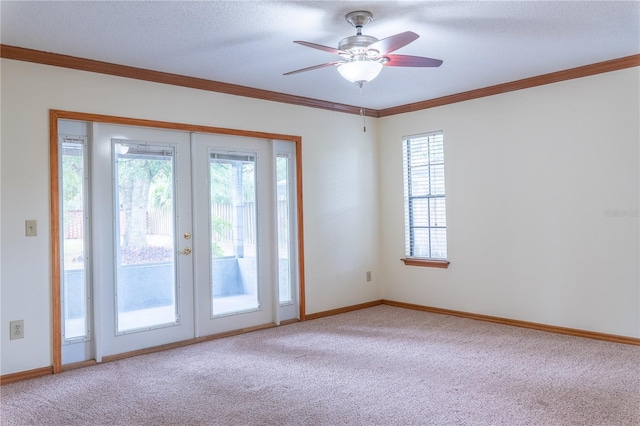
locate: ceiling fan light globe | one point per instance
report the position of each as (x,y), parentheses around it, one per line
(360,71)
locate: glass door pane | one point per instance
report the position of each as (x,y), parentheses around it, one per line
(146,291)
(234,265)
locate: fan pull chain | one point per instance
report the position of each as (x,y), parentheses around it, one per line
(363,110)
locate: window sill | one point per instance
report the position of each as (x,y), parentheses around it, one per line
(428,263)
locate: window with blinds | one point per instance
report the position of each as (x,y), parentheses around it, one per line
(424,196)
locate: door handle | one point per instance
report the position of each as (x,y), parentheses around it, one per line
(187,251)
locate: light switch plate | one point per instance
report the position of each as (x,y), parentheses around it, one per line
(31,228)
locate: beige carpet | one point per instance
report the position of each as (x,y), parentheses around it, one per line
(378,366)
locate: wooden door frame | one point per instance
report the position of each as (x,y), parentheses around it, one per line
(54,176)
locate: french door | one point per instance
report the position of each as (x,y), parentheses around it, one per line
(233,215)
(143,273)
(186,235)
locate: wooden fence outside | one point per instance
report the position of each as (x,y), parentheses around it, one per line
(160,222)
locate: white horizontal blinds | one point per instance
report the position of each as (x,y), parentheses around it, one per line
(424,196)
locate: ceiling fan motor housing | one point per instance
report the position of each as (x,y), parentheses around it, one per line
(356,44)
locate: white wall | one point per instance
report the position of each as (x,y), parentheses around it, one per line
(530,178)
(339,186)
(530,175)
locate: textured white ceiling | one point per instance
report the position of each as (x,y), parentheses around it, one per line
(249,43)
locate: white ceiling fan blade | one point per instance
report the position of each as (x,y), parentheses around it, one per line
(315,67)
(395,42)
(411,61)
(321,47)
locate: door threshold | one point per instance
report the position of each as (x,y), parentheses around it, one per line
(187,342)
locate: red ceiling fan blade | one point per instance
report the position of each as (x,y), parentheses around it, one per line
(315,67)
(411,61)
(321,47)
(395,42)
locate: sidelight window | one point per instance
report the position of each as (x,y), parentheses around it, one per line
(76,291)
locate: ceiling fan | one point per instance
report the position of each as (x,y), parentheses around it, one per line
(363,56)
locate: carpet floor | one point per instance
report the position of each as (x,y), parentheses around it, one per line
(377,366)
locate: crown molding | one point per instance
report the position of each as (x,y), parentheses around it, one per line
(82,64)
(66,61)
(541,80)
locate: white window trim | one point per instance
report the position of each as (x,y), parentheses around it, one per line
(425,141)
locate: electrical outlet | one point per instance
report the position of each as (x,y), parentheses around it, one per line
(17,329)
(368,276)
